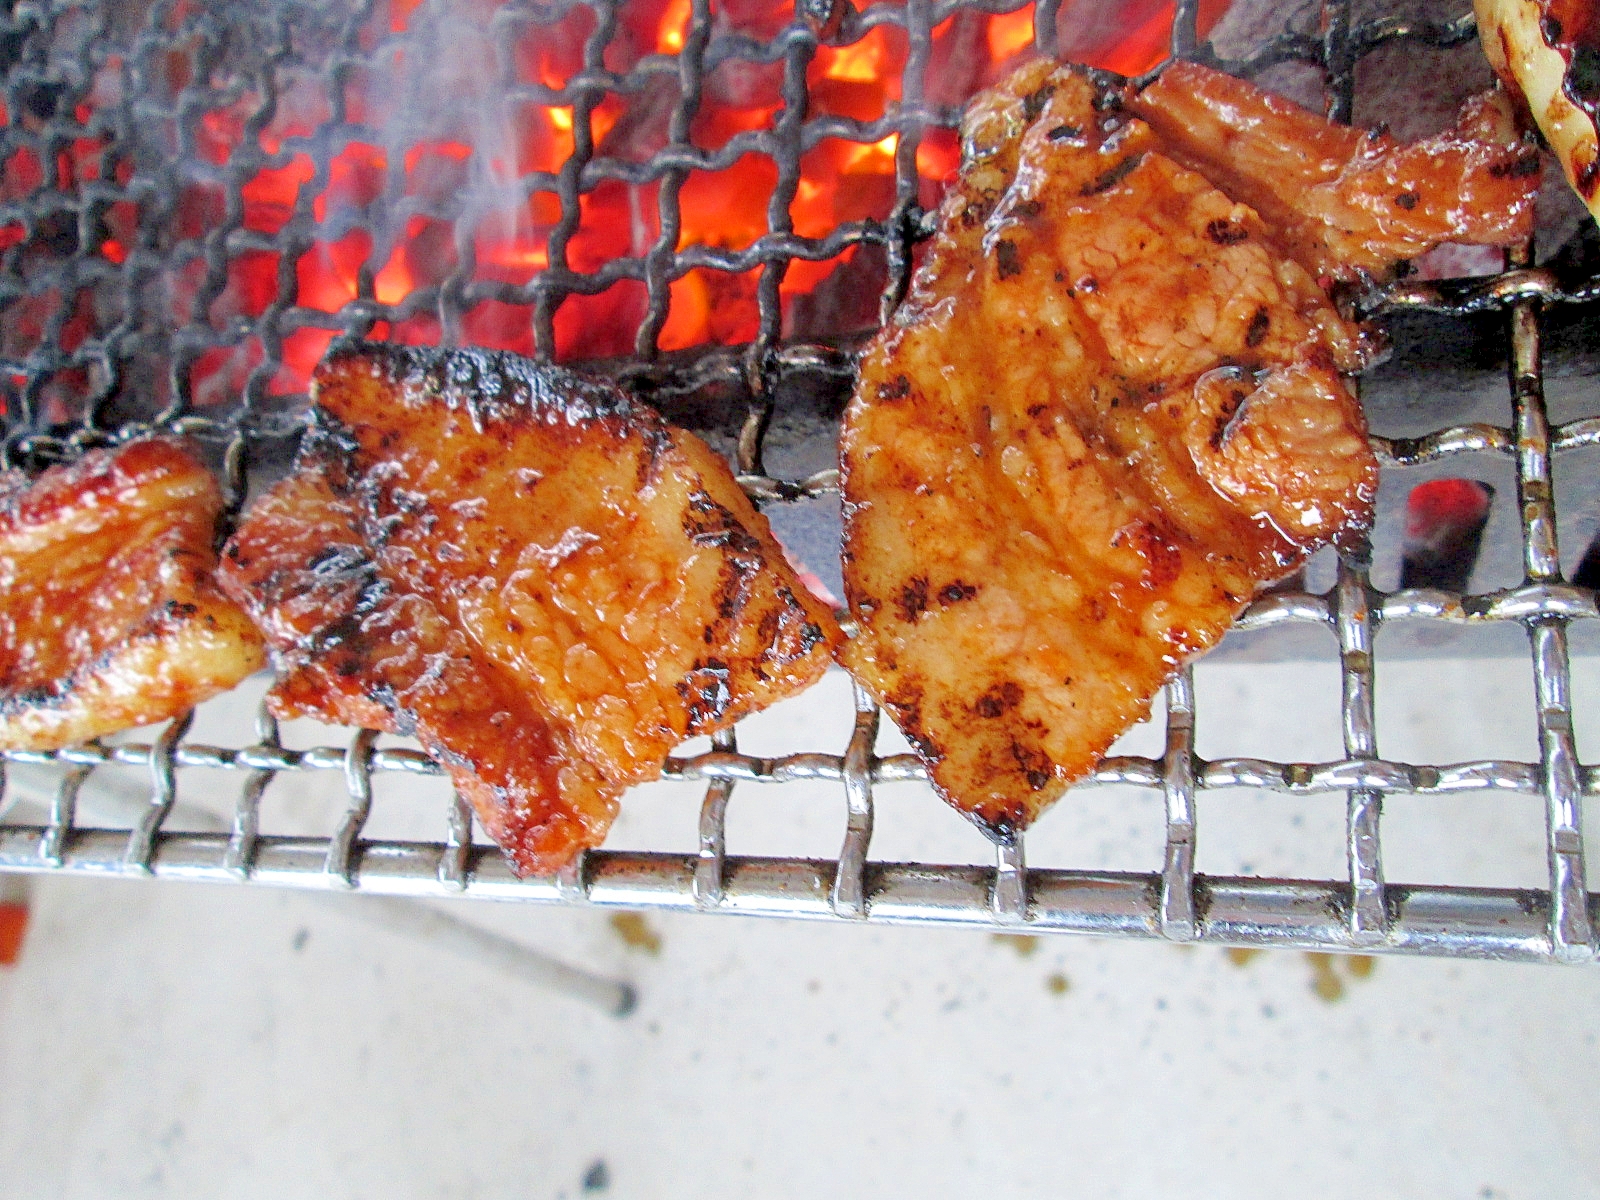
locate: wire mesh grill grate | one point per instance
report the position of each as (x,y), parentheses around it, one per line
(118,313)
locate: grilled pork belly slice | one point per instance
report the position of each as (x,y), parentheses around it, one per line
(1548,53)
(529,572)
(1345,201)
(1111,409)
(111,618)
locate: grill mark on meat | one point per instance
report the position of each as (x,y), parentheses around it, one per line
(1000,699)
(1260,325)
(976,213)
(1008,261)
(1157,546)
(914,599)
(1034,764)
(1525,167)
(706,692)
(1115,175)
(1034,102)
(1225,233)
(1225,414)
(897,388)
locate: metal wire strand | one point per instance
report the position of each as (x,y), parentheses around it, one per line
(163,793)
(247,813)
(63,811)
(712,859)
(1179,920)
(456,858)
(848,896)
(341,860)
(1571,932)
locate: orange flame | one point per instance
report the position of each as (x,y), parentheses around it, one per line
(1010,34)
(674,25)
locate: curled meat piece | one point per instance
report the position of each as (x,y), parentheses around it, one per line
(1344,201)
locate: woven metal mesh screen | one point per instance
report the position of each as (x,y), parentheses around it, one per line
(198,198)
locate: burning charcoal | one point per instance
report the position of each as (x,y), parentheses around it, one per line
(847,300)
(1445,519)
(959,61)
(738,83)
(642,130)
(823,17)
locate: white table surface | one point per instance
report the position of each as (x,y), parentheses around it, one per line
(162,1039)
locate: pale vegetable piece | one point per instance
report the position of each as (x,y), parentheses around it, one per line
(1548,52)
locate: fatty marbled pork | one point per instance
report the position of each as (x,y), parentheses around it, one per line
(111,617)
(1109,412)
(528,571)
